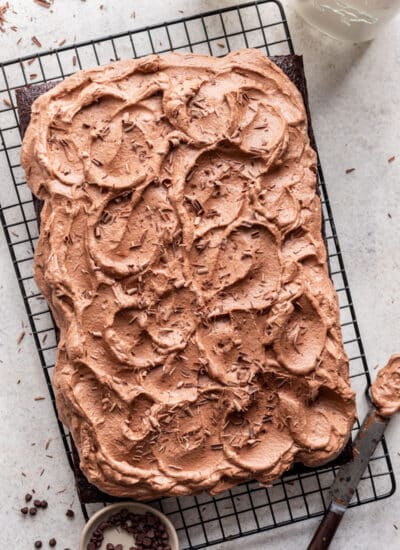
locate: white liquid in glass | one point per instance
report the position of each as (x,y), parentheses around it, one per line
(354,20)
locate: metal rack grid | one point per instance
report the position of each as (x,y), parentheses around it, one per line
(201,520)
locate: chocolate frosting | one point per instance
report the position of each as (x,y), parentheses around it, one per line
(181,253)
(385,390)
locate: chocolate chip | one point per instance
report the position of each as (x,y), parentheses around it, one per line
(110,546)
(91,546)
(52,542)
(119,547)
(24,510)
(28,497)
(32,511)
(70,513)
(146,542)
(43,504)
(37,503)
(38,544)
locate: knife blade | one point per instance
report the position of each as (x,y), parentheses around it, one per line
(348,477)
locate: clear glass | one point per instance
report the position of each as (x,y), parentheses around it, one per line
(353,20)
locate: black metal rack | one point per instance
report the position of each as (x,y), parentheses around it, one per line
(201,520)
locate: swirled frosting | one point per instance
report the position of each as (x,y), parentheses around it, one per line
(181,253)
(385,390)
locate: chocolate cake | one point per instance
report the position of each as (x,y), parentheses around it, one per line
(182,257)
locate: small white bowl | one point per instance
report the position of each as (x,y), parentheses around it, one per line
(123,537)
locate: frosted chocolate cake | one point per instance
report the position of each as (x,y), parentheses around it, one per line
(182,256)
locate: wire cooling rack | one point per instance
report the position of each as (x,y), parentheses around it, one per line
(201,520)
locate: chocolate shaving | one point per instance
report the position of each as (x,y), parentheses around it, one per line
(43,3)
(36,41)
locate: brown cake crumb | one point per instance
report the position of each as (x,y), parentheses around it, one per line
(350,170)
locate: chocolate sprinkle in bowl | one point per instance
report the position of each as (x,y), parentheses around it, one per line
(129,526)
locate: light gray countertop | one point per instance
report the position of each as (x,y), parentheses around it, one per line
(355,105)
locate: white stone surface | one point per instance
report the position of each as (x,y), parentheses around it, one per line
(355,101)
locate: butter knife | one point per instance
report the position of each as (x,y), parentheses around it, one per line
(348,477)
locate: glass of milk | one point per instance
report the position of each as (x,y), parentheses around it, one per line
(352,20)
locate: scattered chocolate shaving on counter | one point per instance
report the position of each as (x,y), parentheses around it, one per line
(70,513)
(19,381)
(39,398)
(33,76)
(43,3)
(395,526)
(133,15)
(41,473)
(20,337)
(36,41)
(7,102)
(350,170)
(389,215)
(62,42)
(19,40)
(74,60)
(14,28)
(31,60)
(391,159)
(220,45)
(23,474)
(47,445)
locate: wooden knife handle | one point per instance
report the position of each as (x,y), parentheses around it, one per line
(325,532)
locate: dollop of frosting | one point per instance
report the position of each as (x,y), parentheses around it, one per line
(385,390)
(181,253)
